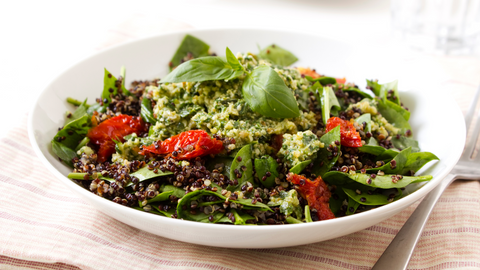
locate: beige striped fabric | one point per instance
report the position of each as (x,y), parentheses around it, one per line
(44,226)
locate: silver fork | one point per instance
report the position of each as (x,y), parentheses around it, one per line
(398,253)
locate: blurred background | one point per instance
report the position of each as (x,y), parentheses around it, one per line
(428,43)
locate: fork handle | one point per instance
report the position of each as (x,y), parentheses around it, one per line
(398,253)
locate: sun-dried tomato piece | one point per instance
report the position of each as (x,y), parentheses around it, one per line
(348,134)
(316,192)
(187,145)
(111,129)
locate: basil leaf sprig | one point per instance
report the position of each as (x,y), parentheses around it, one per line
(278,55)
(263,89)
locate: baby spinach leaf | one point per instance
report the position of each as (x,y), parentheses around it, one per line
(365,198)
(146,174)
(96,107)
(400,162)
(366,117)
(223,162)
(336,200)
(233,61)
(190,44)
(264,165)
(324,81)
(64,153)
(323,163)
(393,116)
(168,213)
(297,169)
(308,216)
(357,91)
(146,111)
(292,220)
(387,155)
(177,192)
(406,161)
(202,69)
(278,55)
(374,86)
(399,109)
(372,149)
(352,206)
(242,164)
(329,103)
(266,94)
(405,142)
(240,217)
(79,112)
(391,86)
(380,181)
(110,88)
(161,197)
(73,132)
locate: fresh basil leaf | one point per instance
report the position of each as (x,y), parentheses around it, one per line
(323,163)
(243,159)
(266,94)
(404,142)
(233,61)
(324,81)
(278,55)
(192,45)
(380,181)
(64,153)
(146,111)
(329,102)
(264,165)
(206,68)
(393,117)
(297,169)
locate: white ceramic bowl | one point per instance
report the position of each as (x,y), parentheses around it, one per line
(436,122)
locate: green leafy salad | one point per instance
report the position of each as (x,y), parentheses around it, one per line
(244,139)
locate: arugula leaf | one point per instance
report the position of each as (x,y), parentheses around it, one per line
(203,69)
(242,159)
(146,111)
(233,61)
(380,181)
(322,163)
(266,93)
(329,102)
(190,44)
(297,169)
(264,165)
(278,55)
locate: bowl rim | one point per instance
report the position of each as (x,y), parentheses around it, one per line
(408,200)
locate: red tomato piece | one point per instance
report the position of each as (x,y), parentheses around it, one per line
(193,143)
(111,129)
(341,80)
(316,192)
(348,134)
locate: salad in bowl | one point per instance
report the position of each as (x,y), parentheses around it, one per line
(242,139)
